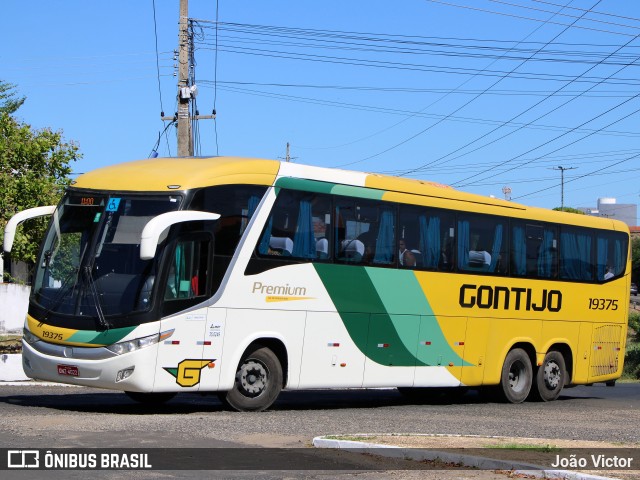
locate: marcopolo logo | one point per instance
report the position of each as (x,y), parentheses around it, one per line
(505,298)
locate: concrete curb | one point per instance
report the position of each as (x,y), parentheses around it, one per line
(419,454)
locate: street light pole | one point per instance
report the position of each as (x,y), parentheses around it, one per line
(562,169)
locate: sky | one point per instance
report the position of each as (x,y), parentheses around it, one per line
(489,96)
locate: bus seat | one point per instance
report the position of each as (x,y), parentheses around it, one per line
(282,245)
(352,250)
(479,259)
(322,248)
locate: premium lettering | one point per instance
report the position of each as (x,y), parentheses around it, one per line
(259,287)
(507,298)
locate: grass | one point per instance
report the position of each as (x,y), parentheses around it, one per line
(352,438)
(525,446)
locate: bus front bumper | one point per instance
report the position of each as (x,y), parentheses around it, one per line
(91,367)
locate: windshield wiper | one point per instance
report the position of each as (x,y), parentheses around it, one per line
(66,287)
(102,321)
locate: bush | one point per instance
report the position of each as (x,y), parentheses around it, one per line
(634,324)
(632,362)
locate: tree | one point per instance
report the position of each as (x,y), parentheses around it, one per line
(635,259)
(34,171)
(8,101)
(569,209)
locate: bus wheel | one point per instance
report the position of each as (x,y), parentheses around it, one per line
(517,376)
(150,398)
(550,378)
(258,382)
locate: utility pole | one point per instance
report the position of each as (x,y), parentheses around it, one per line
(288,156)
(186,91)
(562,169)
(185,142)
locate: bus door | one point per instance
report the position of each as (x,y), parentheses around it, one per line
(186,357)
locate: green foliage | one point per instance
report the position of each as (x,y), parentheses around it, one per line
(634,320)
(632,362)
(634,324)
(34,170)
(8,101)
(569,209)
(635,259)
(632,356)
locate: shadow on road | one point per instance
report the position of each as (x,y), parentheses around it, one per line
(97,401)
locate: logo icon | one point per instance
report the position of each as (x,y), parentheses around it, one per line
(23,459)
(187,372)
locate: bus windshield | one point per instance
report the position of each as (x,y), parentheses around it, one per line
(90,262)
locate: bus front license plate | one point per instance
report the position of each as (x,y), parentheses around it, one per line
(70,370)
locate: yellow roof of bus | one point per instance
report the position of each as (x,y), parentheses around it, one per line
(170,174)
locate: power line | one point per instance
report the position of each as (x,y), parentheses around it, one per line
(565,14)
(596,13)
(526,18)
(566,133)
(582,176)
(513,118)
(535,120)
(155,33)
(392,111)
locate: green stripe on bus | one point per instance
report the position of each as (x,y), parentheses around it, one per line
(108,337)
(374,332)
(396,315)
(329,188)
(401,293)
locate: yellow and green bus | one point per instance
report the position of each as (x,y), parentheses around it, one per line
(245,276)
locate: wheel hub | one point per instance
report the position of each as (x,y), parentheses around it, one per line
(515,372)
(552,375)
(252,378)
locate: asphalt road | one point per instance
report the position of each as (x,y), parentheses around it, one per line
(56,416)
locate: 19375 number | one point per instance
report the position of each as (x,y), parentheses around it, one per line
(603,304)
(51,335)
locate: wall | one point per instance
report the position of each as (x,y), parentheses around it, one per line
(14,301)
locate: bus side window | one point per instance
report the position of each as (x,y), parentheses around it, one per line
(576,248)
(356,227)
(611,253)
(428,234)
(534,250)
(187,278)
(481,244)
(298,227)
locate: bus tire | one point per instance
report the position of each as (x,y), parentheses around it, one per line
(258,382)
(550,377)
(517,376)
(150,398)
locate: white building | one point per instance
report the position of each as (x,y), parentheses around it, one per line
(608,207)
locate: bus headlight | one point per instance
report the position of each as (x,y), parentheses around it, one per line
(138,343)
(29,337)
